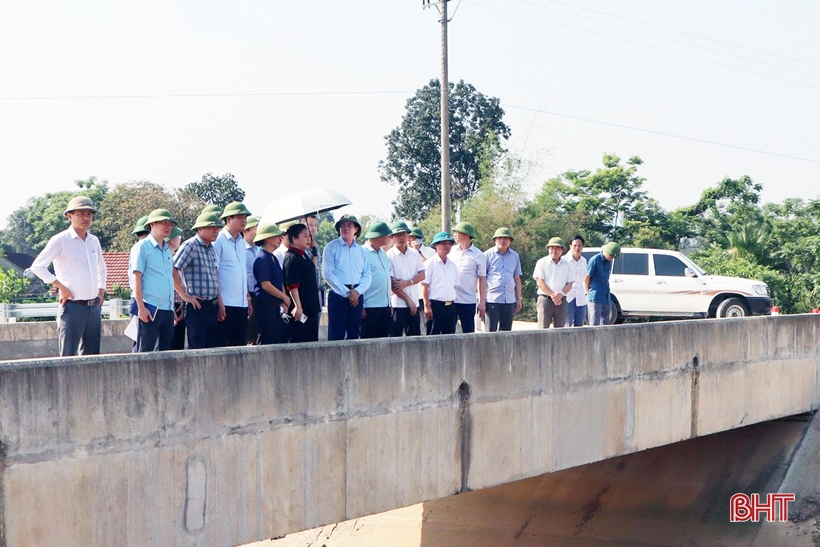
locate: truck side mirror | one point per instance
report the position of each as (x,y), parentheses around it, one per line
(689,272)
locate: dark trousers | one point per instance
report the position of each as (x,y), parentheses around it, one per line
(500,316)
(79,329)
(178,339)
(428,325)
(307,331)
(444,317)
(404,323)
(156,335)
(466,314)
(269,323)
(202,324)
(344,322)
(233,331)
(376,323)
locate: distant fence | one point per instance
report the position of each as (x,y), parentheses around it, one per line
(9,313)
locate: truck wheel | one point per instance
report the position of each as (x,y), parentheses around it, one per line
(732,307)
(615,317)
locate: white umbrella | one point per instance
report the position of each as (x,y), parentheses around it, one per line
(302,203)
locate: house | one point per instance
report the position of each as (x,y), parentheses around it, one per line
(117,264)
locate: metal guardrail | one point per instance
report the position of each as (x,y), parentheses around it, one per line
(9,313)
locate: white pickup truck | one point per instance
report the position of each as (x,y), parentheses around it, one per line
(661,283)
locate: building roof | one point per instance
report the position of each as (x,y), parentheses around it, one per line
(117,264)
(21,260)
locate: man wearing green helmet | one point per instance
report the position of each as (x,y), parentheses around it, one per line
(80,277)
(439,286)
(596,283)
(472,275)
(503,282)
(376,320)
(231,259)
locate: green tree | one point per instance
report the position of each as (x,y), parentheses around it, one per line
(413,160)
(127,202)
(11,285)
(609,203)
(216,190)
(30,227)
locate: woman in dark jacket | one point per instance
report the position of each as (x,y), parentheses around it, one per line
(272,302)
(300,281)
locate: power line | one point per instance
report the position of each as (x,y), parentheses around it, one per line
(203,95)
(646,46)
(672,135)
(672,39)
(676,30)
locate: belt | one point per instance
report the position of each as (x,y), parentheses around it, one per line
(92,302)
(210,301)
(446,303)
(351,287)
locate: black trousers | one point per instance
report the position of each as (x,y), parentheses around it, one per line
(376,323)
(444,317)
(466,314)
(156,335)
(500,316)
(402,323)
(233,331)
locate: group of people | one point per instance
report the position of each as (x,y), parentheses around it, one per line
(238,281)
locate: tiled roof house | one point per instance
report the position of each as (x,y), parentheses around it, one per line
(117,264)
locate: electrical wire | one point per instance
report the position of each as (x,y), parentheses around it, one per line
(203,95)
(662,133)
(674,40)
(645,45)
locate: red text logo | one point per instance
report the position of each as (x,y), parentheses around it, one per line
(743,508)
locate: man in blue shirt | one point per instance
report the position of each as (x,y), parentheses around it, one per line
(153,281)
(377,319)
(596,283)
(347,272)
(232,272)
(503,282)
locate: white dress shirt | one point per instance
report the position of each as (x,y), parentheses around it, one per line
(577,272)
(555,275)
(441,279)
(406,265)
(472,264)
(78,264)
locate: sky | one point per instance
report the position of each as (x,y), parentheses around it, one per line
(295,95)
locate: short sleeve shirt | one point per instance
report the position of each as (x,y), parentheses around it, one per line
(156,264)
(555,276)
(502,269)
(406,265)
(598,270)
(472,264)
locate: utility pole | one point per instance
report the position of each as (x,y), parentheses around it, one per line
(446,207)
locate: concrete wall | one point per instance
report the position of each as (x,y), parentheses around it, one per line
(30,340)
(223,447)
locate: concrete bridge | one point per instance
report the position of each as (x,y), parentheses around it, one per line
(224,447)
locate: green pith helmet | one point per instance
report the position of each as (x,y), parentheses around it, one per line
(556,242)
(235,208)
(377,229)
(399,227)
(207,220)
(78,203)
(503,232)
(251,222)
(264,231)
(465,228)
(348,218)
(612,249)
(211,209)
(177,231)
(141,226)
(416,232)
(160,215)
(441,237)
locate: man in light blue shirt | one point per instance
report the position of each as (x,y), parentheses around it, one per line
(377,318)
(347,272)
(503,281)
(232,272)
(153,282)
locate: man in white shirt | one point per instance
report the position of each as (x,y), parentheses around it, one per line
(472,275)
(576,298)
(439,286)
(80,276)
(408,272)
(552,277)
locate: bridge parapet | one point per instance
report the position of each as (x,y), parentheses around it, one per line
(223,447)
